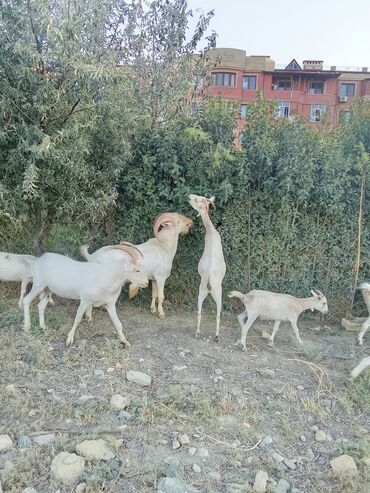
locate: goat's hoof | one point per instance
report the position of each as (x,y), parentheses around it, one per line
(271,343)
(125,344)
(153,310)
(69,342)
(216,338)
(162,316)
(360,342)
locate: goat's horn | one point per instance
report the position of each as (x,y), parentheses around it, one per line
(313,292)
(212,201)
(129,248)
(319,292)
(162,218)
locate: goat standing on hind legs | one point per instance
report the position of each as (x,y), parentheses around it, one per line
(211,267)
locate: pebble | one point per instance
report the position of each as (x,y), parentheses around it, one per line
(95,450)
(180,367)
(320,436)
(314,428)
(183,439)
(173,468)
(214,476)
(303,438)
(6,443)
(218,379)
(260,482)
(266,442)
(218,371)
(176,444)
(182,354)
(192,450)
(266,335)
(67,468)
(99,373)
(124,415)
(130,444)
(43,439)
(80,488)
(109,370)
(139,378)
(310,454)
(12,389)
(290,464)
(282,486)
(277,457)
(175,485)
(119,402)
(24,442)
(344,465)
(202,453)
(196,468)
(300,387)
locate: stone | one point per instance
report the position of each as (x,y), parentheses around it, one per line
(197,468)
(43,438)
(67,468)
(180,367)
(130,444)
(325,402)
(266,372)
(125,415)
(95,450)
(303,438)
(266,442)
(173,468)
(265,335)
(139,378)
(99,373)
(310,454)
(314,428)
(282,486)
(320,436)
(6,443)
(192,450)
(80,488)
(218,371)
(176,444)
(119,402)
(214,476)
(12,389)
(202,453)
(290,464)
(182,354)
(344,465)
(175,485)
(24,441)
(183,439)
(260,482)
(109,370)
(300,387)
(29,489)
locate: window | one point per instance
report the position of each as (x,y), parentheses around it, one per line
(250,82)
(198,81)
(317,87)
(317,112)
(281,85)
(225,79)
(347,89)
(243,111)
(283,109)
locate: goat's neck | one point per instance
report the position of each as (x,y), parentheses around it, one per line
(168,239)
(210,229)
(307,303)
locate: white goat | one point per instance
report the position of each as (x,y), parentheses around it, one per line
(277,307)
(15,267)
(365,288)
(364,363)
(211,267)
(94,284)
(158,254)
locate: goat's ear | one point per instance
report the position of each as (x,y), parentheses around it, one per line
(313,293)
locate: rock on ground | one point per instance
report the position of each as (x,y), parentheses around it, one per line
(24,441)
(29,490)
(67,468)
(173,468)
(80,488)
(344,465)
(320,436)
(6,443)
(260,482)
(139,377)
(95,450)
(119,402)
(282,486)
(43,438)
(175,485)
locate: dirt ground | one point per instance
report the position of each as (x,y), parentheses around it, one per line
(228,416)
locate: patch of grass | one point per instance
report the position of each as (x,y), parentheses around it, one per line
(90,409)
(99,472)
(311,351)
(358,392)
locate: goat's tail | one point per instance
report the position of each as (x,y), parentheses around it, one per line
(236,294)
(84,251)
(132,291)
(365,288)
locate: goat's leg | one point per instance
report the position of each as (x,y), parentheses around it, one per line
(80,313)
(27,300)
(43,303)
(274,330)
(24,284)
(203,292)
(217,296)
(88,313)
(160,293)
(363,331)
(296,331)
(364,363)
(153,307)
(111,309)
(248,324)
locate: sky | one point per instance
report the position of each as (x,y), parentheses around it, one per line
(335,31)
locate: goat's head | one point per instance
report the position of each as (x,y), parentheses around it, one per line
(321,303)
(132,251)
(138,279)
(201,204)
(172,220)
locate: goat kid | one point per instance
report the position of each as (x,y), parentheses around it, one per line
(15,267)
(211,266)
(158,254)
(277,307)
(94,284)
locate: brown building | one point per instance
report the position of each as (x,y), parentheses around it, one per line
(310,89)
